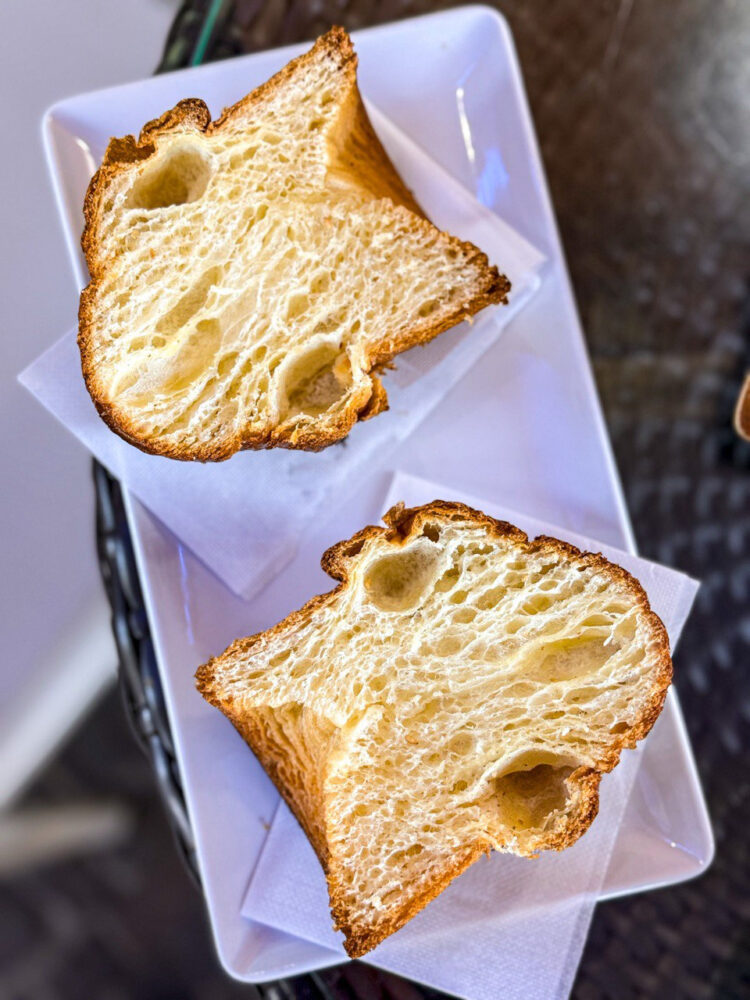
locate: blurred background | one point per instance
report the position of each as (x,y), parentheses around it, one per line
(643,118)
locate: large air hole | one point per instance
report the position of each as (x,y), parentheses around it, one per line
(568,659)
(400,580)
(449,645)
(189,303)
(296,305)
(491,598)
(194,358)
(448,580)
(427,713)
(226,364)
(461,744)
(175,177)
(535,788)
(428,307)
(314,381)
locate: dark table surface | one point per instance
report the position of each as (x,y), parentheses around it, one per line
(643,117)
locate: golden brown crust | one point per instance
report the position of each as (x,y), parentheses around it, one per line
(302,792)
(356,151)
(359,940)
(403,524)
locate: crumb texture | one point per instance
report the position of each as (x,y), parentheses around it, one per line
(474,686)
(249,274)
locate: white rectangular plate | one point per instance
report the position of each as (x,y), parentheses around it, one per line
(523,427)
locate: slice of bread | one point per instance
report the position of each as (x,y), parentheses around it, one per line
(462,689)
(251,275)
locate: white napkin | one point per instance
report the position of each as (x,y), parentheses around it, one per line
(508,927)
(243,517)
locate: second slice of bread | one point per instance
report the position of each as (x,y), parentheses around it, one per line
(462,689)
(251,275)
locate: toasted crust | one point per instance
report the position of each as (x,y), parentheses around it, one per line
(356,151)
(402,525)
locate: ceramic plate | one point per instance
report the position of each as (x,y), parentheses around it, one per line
(523,427)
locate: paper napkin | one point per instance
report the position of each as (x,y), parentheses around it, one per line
(508,927)
(243,517)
